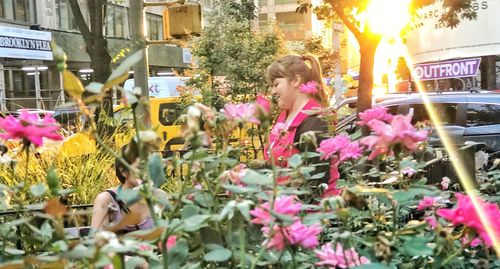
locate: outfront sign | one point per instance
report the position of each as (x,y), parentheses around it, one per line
(25,44)
(448,69)
(432,41)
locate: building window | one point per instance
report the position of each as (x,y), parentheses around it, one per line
(66,20)
(116,17)
(155,26)
(19,10)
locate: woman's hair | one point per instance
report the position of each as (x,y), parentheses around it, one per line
(120,167)
(306,66)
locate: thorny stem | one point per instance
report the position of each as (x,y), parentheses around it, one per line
(275,191)
(143,160)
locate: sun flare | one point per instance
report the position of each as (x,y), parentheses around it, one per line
(388,17)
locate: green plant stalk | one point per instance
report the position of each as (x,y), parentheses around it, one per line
(271,225)
(142,172)
(164,252)
(456,253)
(179,198)
(243,246)
(394,220)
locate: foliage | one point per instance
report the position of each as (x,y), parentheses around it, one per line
(233,57)
(349,13)
(328,58)
(224,215)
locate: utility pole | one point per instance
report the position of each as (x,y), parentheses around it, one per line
(141,69)
(336,30)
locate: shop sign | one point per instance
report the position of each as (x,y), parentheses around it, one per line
(432,41)
(448,69)
(25,44)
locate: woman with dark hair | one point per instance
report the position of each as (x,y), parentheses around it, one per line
(301,95)
(111,212)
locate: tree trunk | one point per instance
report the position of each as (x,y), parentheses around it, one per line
(367,48)
(488,73)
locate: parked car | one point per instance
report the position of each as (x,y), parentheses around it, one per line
(465,116)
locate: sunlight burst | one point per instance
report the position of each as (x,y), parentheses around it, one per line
(388,17)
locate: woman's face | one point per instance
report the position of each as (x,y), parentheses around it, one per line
(132,178)
(285,92)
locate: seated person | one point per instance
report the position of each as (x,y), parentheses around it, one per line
(110,212)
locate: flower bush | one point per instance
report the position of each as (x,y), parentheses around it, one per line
(223,214)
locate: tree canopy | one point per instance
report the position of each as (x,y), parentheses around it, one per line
(349,11)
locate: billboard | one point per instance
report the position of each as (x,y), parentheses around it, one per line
(432,42)
(25,44)
(448,69)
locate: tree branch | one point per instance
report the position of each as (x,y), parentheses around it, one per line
(340,12)
(80,20)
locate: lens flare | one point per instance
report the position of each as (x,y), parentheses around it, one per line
(387,17)
(457,163)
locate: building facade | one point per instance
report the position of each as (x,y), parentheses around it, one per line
(29,81)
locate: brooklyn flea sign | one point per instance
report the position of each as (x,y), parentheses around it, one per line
(448,69)
(25,44)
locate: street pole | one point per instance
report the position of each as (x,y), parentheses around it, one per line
(141,70)
(338,70)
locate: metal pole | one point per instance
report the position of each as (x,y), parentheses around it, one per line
(2,89)
(338,70)
(141,71)
(38,95)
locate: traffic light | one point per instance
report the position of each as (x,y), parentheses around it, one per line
(183,20)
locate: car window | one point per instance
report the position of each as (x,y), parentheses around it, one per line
(168,113)
(446,112)
(483,114)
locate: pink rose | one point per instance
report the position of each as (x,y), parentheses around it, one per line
(263,103)
(339,258)
(426,203)
(30,127)
(285,205)
(465,214)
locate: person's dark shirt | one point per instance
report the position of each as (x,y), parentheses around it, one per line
(320,128)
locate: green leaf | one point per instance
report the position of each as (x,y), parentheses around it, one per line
(204,199)
(178,254)
(195,222)
(94,87)
(295,161)
(417,246)
(156,170)
(120,74)
(373,266)
(241,189)
(218,255)
(317,218)
(189,211)
(254,178)
(78,252)
(134,262)
(413,194)
(14,251)
(192,266)
(318,175)
(244,208)
(129,196)
(227,211)
(53,181)
(37,190)
(283,218)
